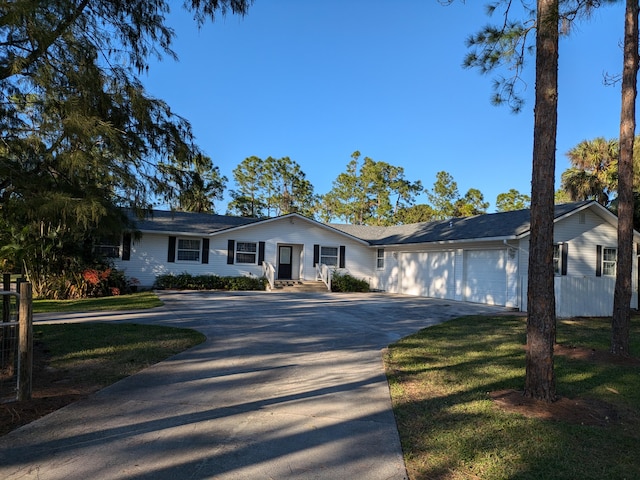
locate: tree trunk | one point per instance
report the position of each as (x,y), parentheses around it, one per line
(541,321)
(622,298)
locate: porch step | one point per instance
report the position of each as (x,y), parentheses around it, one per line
(298,286)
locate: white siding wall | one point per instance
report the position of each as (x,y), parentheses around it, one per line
(149,254)
(386,278)
(149,259)
(580,292)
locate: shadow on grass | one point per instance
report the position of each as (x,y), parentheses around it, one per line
(449,427)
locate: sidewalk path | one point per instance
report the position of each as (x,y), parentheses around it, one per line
(285,387)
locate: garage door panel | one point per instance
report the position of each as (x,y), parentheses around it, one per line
(485,277)
(427,274)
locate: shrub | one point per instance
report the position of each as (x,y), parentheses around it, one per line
(343,282)
(94,281)
(186,281)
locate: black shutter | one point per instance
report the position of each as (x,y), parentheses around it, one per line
(342,251)
(171,254)
(260,253)
(231,254)
(316,255)
(205,250)
(599,261)
(126,246)
(564,252)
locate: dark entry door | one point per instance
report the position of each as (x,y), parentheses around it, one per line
(284,263)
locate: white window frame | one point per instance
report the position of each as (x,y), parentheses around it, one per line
(380,259)
(108,249)
(243,254)
(324,256)
(557,259)
(609,261)
(183,250)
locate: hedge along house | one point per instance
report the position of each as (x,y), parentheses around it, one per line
(482,259)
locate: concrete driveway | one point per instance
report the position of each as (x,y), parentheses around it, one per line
(285,387)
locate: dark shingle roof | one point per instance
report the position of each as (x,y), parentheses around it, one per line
(188,222)
(491,225)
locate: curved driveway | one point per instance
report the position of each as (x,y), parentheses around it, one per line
(286,386)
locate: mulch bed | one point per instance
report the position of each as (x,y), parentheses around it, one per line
(51,390)
(581,411)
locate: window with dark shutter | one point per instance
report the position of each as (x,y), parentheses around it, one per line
(205,250)
(171,253)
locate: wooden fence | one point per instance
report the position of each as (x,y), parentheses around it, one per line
(16,341)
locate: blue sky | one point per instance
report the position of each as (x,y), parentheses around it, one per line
(316,80)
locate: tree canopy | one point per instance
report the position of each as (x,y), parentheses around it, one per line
(271,187)
(81,137)
(369,193)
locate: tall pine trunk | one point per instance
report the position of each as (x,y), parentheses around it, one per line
(621,320)
(541,320)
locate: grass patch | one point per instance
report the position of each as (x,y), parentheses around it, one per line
(103,353)
(134,301)
(450,428)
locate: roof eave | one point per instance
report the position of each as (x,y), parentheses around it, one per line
(450,242)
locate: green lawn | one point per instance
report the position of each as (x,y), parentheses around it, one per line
(450,429)
(134,301)
(102,353)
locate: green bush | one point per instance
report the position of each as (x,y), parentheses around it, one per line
(186,281)
(343,282)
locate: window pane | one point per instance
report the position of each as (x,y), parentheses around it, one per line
(246,252)
(247,247)
(556,259)
(380,259)
(246,258)
(609,258)
(108,251)
(329,251)
(189,255)
(329,256)
(108,247)
(188,250)
(186,244)
(329,261)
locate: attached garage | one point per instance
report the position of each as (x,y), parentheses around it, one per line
(485,277)
(427,274)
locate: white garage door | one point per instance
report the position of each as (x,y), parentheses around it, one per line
(427,274)
(485,276)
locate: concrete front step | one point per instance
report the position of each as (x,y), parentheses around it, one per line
(298,286)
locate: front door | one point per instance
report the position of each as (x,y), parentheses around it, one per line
(284,263)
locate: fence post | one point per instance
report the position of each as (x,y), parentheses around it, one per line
(7,356)
(25,343)
(6,301)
